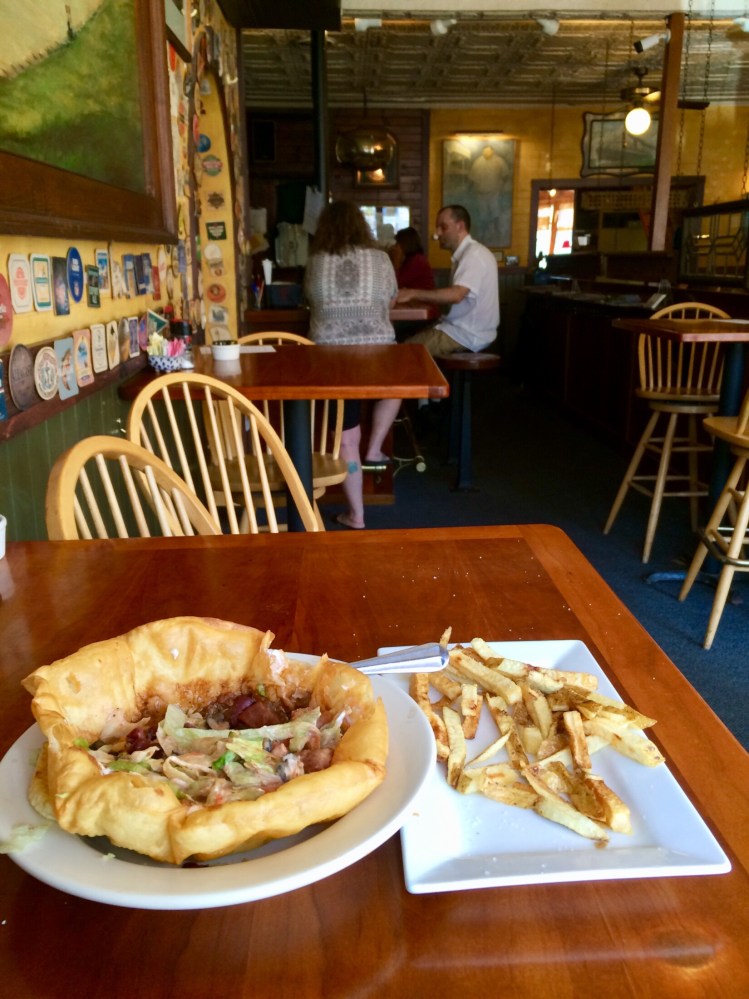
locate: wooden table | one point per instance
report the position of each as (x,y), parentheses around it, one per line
(358,932)
(297,374)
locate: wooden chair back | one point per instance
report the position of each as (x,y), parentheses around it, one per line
(681,371)
(222,445)
(107,487)
(326,417)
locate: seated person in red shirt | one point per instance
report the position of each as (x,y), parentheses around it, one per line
(412,268)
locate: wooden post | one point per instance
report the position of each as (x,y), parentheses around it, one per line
(667,123)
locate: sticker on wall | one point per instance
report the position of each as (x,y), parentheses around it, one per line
(216,292)
(123,339)
(41,282)
(75,274)
(60,285)
(6,312)
(84,371)
(102,263)
(156,283)
(203,143)
(21,377)
(19,274)
(143,331)
(218,314)
(140,275)
(128,269)
(147,270)
(93,296)
(215,230)
(212,165)
(118,279)
(46,376)
(67,385)
(214,259)
(132,326)
(113,344)
(162,263)
(99,359)
(216,200)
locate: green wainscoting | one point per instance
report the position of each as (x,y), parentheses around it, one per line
(25,460)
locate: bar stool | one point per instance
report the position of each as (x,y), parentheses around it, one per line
(727,542)
(460,368)
(675,381)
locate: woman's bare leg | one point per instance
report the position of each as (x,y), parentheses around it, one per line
(352,484)
(384,413)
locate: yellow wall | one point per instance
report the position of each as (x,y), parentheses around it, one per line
(722,161)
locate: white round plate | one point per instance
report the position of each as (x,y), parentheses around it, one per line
(96,870)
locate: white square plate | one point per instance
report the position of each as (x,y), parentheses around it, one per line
(452,841)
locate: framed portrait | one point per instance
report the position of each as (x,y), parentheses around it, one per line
(478,172)
(116,179)
(386,177)
(608,148)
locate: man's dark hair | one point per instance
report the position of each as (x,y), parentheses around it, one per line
(459,213)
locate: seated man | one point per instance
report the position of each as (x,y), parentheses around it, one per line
(472,296)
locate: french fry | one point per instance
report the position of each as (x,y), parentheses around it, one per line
(626,741)
(457,743)
(492,681)
(573,724)
(470,707)
(445,685)
(556,718)
(419,689)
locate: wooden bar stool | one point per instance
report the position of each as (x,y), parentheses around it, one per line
(726,536)
(460,368)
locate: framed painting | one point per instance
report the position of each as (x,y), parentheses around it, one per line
(478,172)
(608,148)
(96,162)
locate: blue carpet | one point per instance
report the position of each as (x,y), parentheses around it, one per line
(533,465)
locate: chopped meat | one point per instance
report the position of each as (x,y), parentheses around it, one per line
(315,759)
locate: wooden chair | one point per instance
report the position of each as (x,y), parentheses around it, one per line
(676,380)
(223,447)
(107,487)
(726,536)
(328,468)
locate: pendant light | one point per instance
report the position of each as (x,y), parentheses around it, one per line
(366,148)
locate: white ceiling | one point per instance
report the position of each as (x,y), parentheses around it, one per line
(491,58)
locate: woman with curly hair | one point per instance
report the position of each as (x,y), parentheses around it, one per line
(350,286)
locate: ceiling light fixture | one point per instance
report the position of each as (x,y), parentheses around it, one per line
(549,25)
(637,120)
(742,22)
(441,26)
(643,44)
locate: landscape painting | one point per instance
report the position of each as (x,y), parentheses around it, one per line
(69,88)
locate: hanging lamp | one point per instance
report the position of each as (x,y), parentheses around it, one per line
(365,148)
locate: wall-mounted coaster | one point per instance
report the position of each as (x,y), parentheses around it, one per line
(99,359)
(21,377)
(132,324)
(60,286)
(102,262)
(143,331)
(212,165)
(45,373)
(84,371)
(19,274)
(216,292)
(123,338)
(76,283)
(93,291)
(67,385)
(41,282)
(6,312)
(113,344)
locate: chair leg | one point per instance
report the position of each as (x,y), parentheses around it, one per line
(694,569)
(719,602)
(694,475)
(658,488)
(631,469)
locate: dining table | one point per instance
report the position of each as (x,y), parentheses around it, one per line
(359,927)
(297,374)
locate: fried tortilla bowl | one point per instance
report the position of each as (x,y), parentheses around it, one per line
(191,662)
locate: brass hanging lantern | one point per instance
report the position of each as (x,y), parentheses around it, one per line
(365,148)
